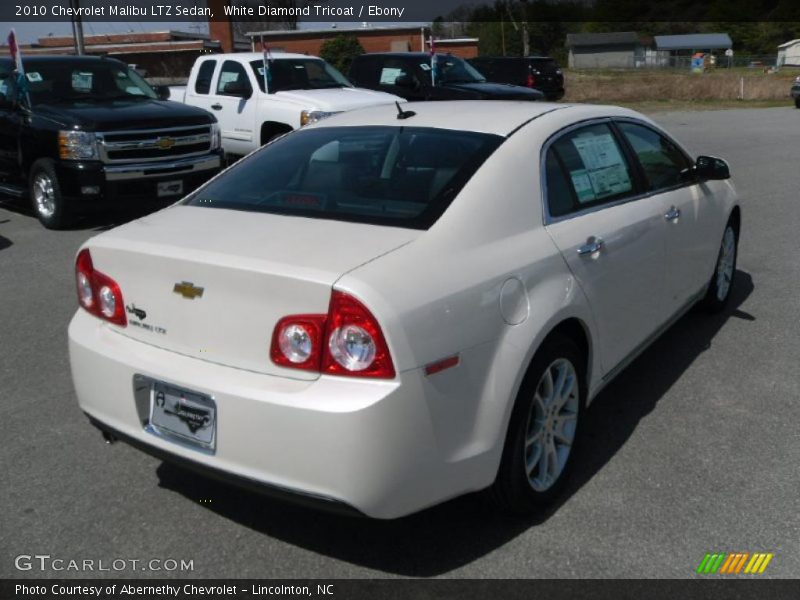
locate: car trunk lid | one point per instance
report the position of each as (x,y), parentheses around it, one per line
(212,283)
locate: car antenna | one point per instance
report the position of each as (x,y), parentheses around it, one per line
(403,114)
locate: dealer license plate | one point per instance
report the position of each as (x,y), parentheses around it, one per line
(169,188)
(182,415)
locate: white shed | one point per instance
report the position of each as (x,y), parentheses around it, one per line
(789,54)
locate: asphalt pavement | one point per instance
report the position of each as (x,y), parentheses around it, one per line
(693,449)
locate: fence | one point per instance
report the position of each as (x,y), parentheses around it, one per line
(651,59)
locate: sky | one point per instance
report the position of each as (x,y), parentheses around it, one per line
(28,32)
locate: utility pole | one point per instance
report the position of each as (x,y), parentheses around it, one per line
(77,29)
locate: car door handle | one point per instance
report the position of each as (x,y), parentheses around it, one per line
(216,106)
(592,246)
(673,214)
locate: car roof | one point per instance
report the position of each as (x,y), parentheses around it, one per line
(409,55)
(274,55)
(66,58)
(497,117)
(512,58)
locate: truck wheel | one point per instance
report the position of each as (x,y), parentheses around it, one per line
(46,199)
(271,130)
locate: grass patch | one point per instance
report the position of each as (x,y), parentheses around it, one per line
(675,105)
(636,86)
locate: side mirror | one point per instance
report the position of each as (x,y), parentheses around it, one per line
(238,89)
(709,167)
(162,91)
(406,81)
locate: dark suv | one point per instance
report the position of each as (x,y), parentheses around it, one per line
(411,75)
(80,133)
(536,72)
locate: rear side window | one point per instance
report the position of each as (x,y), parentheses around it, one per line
(544,64)
(593,167)
(398,176)
(661,160)
(391,70)
(365,70)
(204,74)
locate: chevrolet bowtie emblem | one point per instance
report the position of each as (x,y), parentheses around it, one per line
(188,290)
(165,143)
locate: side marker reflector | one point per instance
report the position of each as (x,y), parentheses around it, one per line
(441,365)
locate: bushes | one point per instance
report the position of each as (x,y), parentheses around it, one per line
(341,50)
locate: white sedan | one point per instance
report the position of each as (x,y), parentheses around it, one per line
(388,309)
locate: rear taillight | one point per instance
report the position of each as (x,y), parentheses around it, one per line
(355,342)
(297,342)
(347,341)
(531,80)
(98,293)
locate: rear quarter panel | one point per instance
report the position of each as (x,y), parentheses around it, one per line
(441,295)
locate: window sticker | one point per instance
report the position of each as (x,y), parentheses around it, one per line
(34,77)
(81,82)
(583,185)
(390,74)
(605,172)
(226,77)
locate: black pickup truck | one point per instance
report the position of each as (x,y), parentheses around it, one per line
(411,75)
(86,133)
(537,72)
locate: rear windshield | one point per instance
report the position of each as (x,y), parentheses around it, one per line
(397,176)
(89,81)
(545,64)
(298,74)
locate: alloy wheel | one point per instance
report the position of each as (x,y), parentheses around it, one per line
(44,195)
(552,423)
(725,264)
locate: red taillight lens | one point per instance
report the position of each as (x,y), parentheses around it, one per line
(531,80)
(355,342)
(346,341)
(297,342)
(98,293)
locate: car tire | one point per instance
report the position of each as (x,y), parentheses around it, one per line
(721,285)
(47,201)
(797,102)
(544,429)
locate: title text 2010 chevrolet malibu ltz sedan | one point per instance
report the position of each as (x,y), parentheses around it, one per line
(391,308)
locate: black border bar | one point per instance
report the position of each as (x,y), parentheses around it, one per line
(404,589)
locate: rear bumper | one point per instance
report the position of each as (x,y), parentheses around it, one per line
(552,93)
(270,491)
(94,184)
(369,446)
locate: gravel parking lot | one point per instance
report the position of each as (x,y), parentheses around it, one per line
(693,449)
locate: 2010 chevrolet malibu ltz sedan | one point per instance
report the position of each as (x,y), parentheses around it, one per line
(393,307)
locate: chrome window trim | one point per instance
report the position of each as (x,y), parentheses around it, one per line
(549,219)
